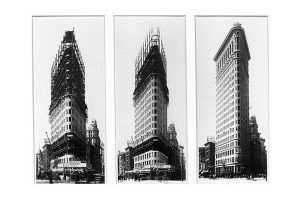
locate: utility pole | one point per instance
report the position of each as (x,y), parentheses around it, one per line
(50,155)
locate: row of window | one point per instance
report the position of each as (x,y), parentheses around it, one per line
(226,146)
(225,78)
(148,162)
(227,161)
(227,54)
(225,153)
(150,154)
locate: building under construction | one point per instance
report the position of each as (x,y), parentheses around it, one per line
(152,155)
(68,110)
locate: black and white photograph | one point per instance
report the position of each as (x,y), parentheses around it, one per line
(150,99)
(69,99)
(232,98)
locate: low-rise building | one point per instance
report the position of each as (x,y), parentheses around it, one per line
(258,153)
(129,162)
(201,158)
(94,148)
(209,156)
(121,163)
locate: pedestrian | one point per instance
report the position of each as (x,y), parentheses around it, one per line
(50,177)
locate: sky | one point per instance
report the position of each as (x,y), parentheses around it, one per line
(130,32)
(210,33)
(48,33)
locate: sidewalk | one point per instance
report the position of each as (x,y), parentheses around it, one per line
(43,181)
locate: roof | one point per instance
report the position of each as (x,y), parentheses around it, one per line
(236,26)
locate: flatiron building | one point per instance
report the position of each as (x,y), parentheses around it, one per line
(68,110)
(232,104)
(151,99)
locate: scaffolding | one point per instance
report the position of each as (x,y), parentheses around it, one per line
(68,80)
(68,73)
(151,59)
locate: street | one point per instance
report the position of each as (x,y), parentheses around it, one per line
(43,181)
(231,180)
(130,181)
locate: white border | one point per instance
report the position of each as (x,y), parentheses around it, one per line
(16,99)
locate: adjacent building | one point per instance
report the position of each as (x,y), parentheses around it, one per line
(102,153)
(258,153)
(182,162)
(121,163)
(129,163)
(209,148)
(38,169)
(172,135)
(201,158)
(232,104)
(94,149)
(46,156)
(176,154)
(43,159)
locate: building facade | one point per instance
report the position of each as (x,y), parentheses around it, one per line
(38,161)
(43,159)
(102,153)
(46,157)
(151,98)
(201,158)
(121,163)
(94,149)
(209,156)
(176,155)
(172,135)
(258,153)
(68,110)
(129,162)
(182,163)
(232,103)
